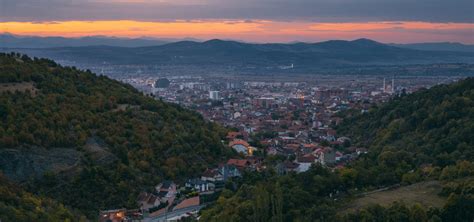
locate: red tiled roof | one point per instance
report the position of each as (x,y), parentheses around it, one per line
(159,212)
(239,142)
(209,173)
(310,145)
(193,201)
(232,135)
(238,162)
(336,142)
(306,159)
(331,132)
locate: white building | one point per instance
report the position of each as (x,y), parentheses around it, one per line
(214,95)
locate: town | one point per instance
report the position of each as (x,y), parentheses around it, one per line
(285,126)
(236,111)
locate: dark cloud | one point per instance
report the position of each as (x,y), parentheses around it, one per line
(309,10)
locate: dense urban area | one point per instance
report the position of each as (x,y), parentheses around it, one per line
(283,123)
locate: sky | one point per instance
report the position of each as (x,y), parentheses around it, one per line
(391,21)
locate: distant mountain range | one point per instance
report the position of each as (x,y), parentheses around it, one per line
(304,56)
(12,41)
(438,46)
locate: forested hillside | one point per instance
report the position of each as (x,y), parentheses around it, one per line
(433,127)
(18,205)
(91,142)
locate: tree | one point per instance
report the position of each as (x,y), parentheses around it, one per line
(458,208)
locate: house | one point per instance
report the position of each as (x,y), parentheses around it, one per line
(212,175)
(166,186)
(241,164)
(294,147)
(166,191)
(148,200)
(237,115)
(360,151)
(242,146)
(305,162)
(229,171)
(331,135)
(343,139)
(339,156)
(327,156)
(199,185)
(308,148)
(286,167)
(272,151)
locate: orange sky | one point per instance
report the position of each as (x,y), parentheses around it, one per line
(256,30)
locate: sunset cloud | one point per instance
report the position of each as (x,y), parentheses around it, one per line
(251,30)
(248,20)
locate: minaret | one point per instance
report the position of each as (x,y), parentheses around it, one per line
(383,89)
(393,84)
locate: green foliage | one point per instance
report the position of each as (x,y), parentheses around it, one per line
(18,205)
(459,208)
(293,197)
(150,139)
(432,126)
(398,211)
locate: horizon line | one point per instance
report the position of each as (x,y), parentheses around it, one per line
(167,40)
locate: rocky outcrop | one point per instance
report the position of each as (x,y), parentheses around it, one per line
(21,164)
(98,151)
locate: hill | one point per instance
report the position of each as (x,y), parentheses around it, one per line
(12,41)
(219,53)
(91,142)
(438,46)
(431,126)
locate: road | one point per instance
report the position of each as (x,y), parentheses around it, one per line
(175,213)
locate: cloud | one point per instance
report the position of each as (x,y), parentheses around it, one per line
(253,31)
(282,10)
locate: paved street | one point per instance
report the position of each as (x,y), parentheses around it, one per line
(175,213)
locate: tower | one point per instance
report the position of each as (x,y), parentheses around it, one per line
(214,95)
(383,88)
(393,84)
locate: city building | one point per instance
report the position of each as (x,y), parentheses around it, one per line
(214,95)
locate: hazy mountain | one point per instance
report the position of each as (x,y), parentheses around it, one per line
(334,53)
(438,46)
(12,41)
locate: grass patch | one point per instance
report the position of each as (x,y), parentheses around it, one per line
(19,87)
(424,193)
